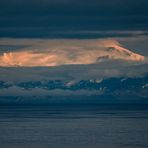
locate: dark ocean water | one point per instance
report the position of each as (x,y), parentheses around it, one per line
(78,126)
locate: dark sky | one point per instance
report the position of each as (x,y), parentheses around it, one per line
(60,18)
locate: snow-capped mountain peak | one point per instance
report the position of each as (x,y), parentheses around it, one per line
(67,53)
(119,52)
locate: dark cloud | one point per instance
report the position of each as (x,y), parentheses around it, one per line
(19,18)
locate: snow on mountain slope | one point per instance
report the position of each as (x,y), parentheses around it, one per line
(55,53)
(118,52)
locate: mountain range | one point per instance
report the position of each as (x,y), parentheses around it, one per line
(111,90)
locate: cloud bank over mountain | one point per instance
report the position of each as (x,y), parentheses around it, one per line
(59,70)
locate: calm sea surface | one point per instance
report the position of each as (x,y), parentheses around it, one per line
(67,126)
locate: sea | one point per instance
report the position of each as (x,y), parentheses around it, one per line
(74,126)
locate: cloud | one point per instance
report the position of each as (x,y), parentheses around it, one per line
(108,69)
(45,18)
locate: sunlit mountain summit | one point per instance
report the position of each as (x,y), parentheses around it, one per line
(67,52)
